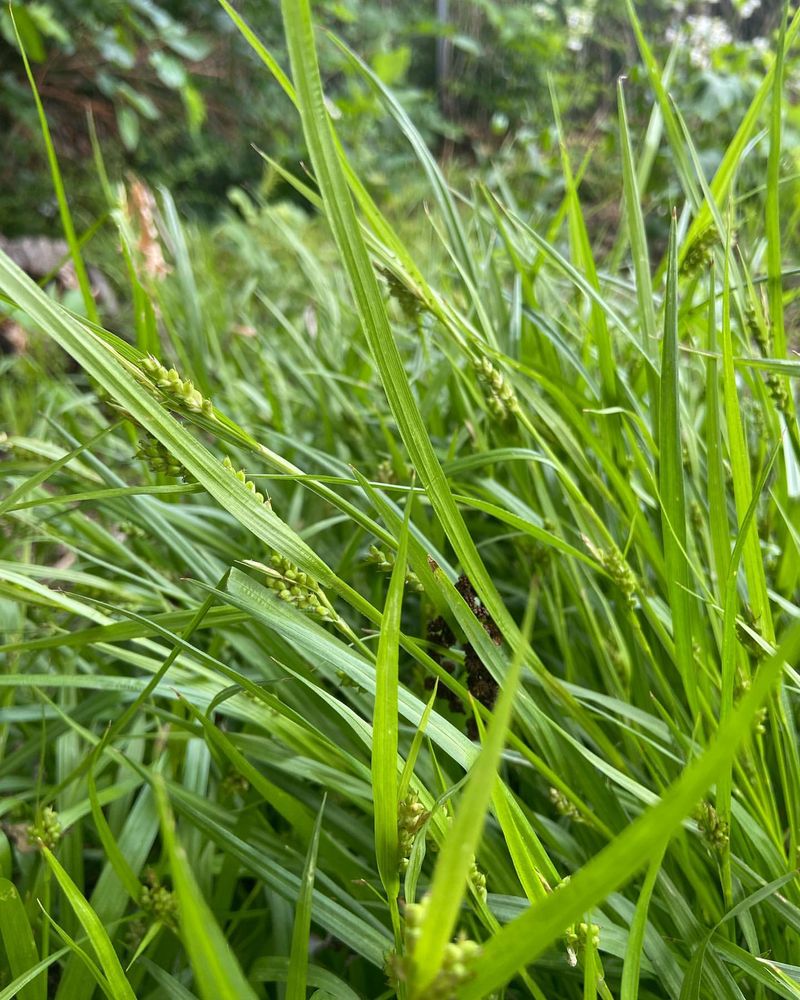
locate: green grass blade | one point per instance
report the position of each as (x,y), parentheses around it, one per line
(116,858)
(671,485)
(16,988)
(113,375)
(723,178)
(457,854)
(17,937)
(521,941)
(95,931)
(740,463)
(330,175)
(385,724)
(298,958)
(773,207)
(217,973)
(634,949)
(93,970)
(58,186)
(583,259)
(717,500)
(639,252)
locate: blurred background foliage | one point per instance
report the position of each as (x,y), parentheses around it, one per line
(175,95)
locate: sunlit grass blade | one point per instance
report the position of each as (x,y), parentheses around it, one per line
(639,252)
(341,216)
(773,205)
(116,379)
(740,464)
(583,259)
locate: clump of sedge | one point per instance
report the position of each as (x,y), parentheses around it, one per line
(621,574)
(234,784)
(578,937)
(158,902)
(700,254)
(409,300)
(563,806)
(247,483)
(714,830)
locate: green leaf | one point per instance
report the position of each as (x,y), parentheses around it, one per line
(298,959)
(20,947)
(457,853)
(330,174)
(525,938)
(95,931)
(216,970)
(116,858)
(61,195)
(639,252)
(634,950)
(671,487)
(385,723)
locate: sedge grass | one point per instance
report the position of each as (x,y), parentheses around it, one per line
(602,802)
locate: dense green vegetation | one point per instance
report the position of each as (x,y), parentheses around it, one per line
(400,586)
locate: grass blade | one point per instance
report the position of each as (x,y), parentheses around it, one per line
(385,726)
(298,959)
(58,186)
(17,937)
(461,842)
(95,931)
(526,937)
(216,971)
(671,486)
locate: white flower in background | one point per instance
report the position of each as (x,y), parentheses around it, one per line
(704,35)
(748,8)
(580,21)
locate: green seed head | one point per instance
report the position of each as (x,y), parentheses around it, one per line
(45,829)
